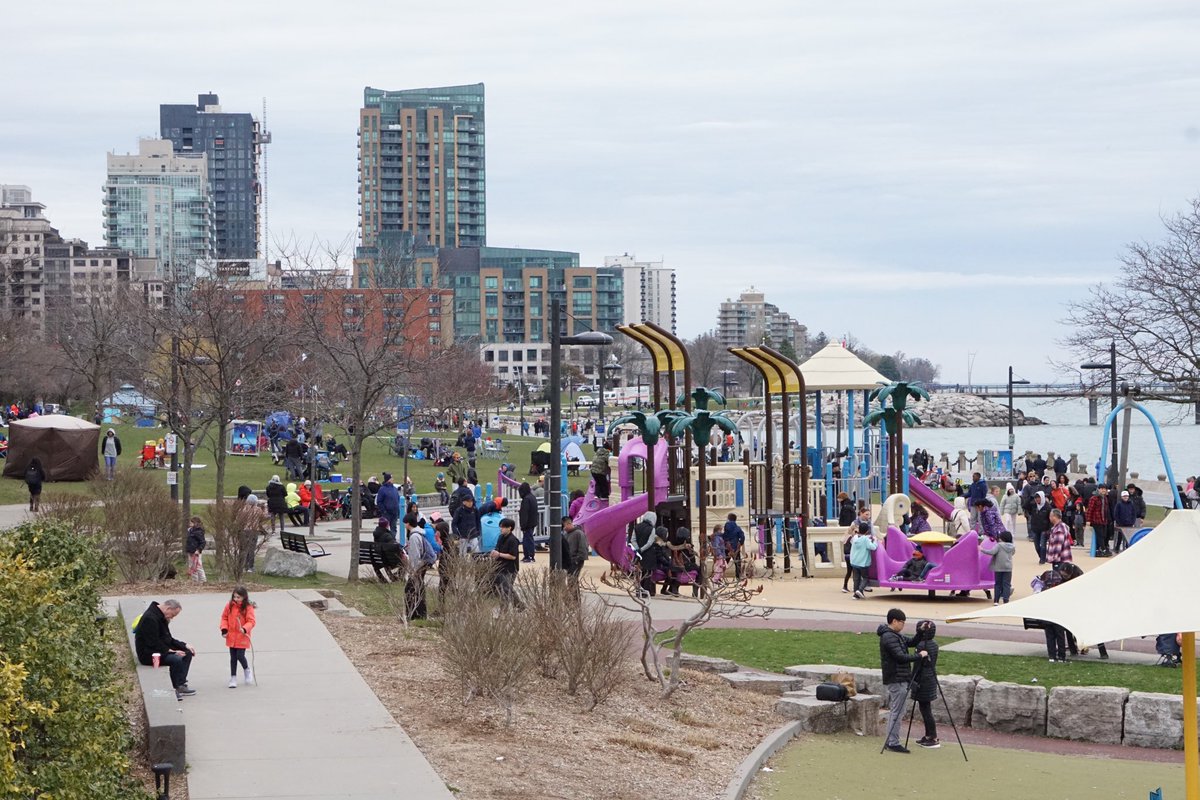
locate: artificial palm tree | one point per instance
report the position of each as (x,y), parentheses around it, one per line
(700,424)
(651,427)
(893,419)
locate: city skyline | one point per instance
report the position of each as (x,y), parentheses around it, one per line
(932,179)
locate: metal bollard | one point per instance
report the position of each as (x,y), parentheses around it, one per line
(162,780)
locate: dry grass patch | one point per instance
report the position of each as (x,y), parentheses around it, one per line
(645,745)
(632,745)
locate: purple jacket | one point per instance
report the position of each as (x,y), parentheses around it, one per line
(989,521)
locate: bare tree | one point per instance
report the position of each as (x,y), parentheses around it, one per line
(1150,310)
(238,363)
(458,381)
(717,600)
(372,344)
(95,343)
(708,359)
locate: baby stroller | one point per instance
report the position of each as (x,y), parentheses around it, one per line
(1169,652)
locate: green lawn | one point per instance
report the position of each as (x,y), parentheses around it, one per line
(256,471)
(774,649)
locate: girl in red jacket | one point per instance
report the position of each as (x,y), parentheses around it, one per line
(237,620)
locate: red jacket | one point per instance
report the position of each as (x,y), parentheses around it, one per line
(1097,510)
(234,621)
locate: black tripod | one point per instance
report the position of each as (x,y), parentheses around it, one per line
(912,712)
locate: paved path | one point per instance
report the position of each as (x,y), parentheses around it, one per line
(311,728)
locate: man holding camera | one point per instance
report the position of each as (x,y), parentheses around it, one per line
(895,659)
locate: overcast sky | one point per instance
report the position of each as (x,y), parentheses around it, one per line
(940,178)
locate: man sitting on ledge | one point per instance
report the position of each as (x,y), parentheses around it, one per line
(153,636)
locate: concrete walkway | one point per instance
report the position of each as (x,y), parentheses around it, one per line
(311,728)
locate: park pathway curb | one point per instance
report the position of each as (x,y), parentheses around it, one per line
(310,728)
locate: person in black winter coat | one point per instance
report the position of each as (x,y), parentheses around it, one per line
(1039,523)
(895,661)
(527,518)
(467,525)
(385,541)
(277,506)
(35,476)
(153,635)
(925,690)
(846,512)
(196,540)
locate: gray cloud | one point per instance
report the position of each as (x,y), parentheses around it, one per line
(902,170)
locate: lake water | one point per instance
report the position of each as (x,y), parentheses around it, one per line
(1068,432)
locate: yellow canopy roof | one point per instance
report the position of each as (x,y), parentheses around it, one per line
(768,365)
(834,368)
(668,356)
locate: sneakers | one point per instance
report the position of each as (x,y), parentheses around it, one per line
(249,677)
(184,691)
(930,743)
(859,595)
(845,590)
(233,681)
(897,748)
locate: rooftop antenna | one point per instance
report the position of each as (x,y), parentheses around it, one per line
(264,138)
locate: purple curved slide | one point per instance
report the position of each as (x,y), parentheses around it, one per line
(606,528)
(929,498)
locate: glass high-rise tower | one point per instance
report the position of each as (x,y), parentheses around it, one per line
(421,168)
(231,141)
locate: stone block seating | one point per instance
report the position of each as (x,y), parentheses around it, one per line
(1101,714)
(166,737)
(1153,719)
(1087,713)
(1009,708)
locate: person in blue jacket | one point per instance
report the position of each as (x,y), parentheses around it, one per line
(387,501)
(735,543)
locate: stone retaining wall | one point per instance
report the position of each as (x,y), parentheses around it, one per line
(1101,714)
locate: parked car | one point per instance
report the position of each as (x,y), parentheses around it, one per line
(585,401)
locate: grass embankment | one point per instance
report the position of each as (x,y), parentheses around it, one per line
(256,471)
(773,650)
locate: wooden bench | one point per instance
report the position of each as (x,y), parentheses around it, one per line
(369,555)
(297,543)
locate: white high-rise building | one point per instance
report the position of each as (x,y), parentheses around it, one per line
(157,204)
(649,290)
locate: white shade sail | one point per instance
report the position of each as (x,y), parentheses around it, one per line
(60,422)
(1150,588)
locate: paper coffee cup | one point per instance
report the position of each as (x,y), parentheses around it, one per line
(156,658)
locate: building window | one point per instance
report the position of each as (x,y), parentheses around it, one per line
(489,356)
(535,282)
(491,283)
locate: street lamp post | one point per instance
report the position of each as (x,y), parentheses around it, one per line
(1012,440)
(612,367)
(553,483)
(1111,366)
(521,398)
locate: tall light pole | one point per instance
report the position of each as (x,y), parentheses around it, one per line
(1111,366)
(1012,440)
(725,373)
(553,483)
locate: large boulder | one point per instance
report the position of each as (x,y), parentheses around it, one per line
(1153,719)
(288,564)
(762,682)
(959,691)
(1086,713)
(865,679)
(706,663)
(1009,708)
(814,716)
